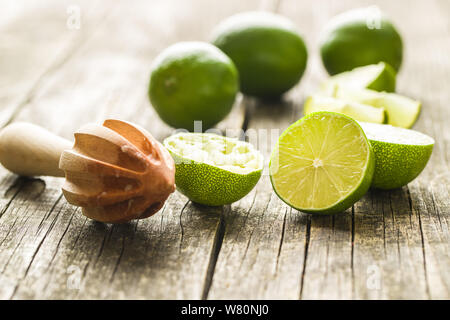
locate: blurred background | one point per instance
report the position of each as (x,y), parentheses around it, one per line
(58,55)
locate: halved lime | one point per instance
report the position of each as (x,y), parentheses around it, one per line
(400,154)
(357,111)
(323,163)
(378,77)
(401,111)
(214,170)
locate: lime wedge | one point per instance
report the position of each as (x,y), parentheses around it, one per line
(401,111)
(214,170)
(355,110)
(378,77)
(323,163)
(400,154)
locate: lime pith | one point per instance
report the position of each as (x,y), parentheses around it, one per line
(323,163)
(357,111)
(400,154)
(378,77)
(214,170)
(401,111)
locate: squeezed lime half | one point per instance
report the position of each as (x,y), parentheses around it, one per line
(214,170)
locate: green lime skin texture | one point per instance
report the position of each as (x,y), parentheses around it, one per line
(400,154)
(193,81)
(214,170)
(360,37)
(322,164)
(266,49)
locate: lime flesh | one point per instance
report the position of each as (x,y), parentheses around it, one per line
(400,154)
(378,77)
(357,111)
(214,170)
(401,111)
(323,163)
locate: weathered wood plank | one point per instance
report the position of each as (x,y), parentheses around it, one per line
(379,242)
(387,227)
(61,253)
(262,269)
(388,258)
(36,38)
(263,247)
(265,242)
(405,252)
(327,269)
(429,67)
(255,248)
(410,215)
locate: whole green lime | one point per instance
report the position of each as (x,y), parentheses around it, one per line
(360,37)
(193,81)
(266,49)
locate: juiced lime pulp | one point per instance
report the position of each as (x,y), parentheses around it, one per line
(214,170)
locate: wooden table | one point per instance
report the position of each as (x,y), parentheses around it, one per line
(388,245)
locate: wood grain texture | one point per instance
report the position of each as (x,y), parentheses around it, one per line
(36,39)
(71,256)
(263,248)
(389,245)
(383,255)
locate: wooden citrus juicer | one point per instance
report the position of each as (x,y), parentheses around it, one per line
(116,171)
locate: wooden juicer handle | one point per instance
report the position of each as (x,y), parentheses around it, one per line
(29,150)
